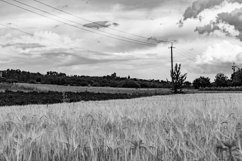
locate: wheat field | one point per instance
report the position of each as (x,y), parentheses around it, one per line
(198,127)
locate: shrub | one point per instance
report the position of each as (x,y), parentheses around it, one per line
(130,84)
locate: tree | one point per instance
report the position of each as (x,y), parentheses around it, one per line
(221,80)
(114,75)
(237,78)
(178,78)
(187,84)
(201,82)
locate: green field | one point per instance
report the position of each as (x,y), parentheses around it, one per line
(180,127)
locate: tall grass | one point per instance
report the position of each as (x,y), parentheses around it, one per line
(183,127)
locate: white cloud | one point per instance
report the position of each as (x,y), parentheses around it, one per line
(221,52)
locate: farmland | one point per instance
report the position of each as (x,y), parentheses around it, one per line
(25,94)
(179,127)
(59,88)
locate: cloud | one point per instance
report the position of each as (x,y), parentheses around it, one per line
(229,23)
(223,17)
(133,4)
(219,57)
(210,28)
(198,6)
(24,45)
(100,24)
(156,40)
(234,19)
(82,57)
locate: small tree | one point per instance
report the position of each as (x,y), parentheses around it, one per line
(178,78)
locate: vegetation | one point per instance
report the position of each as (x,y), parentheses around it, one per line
(178,78)
(10,98)
(201,82)
(27,87)
(237,78)
(221,80)
(181,127)
(14,76)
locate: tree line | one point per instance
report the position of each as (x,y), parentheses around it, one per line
(52,77)
(220,80)
(56,78)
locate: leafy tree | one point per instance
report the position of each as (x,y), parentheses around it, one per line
(178,78)
(237,78)
(114,75)
(201,82)
(221,80)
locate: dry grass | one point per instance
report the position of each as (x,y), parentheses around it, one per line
(182,127)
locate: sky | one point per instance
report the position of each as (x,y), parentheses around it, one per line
(129,37)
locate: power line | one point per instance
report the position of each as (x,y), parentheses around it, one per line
(71,24)
(30,34)
(17,29)
(191,54)
(182,55)
(187,55)
(68,13)
(128,39)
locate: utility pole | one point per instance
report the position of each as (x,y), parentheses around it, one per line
(172,64)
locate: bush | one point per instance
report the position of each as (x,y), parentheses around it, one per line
(32,81)
(11,81)
(130,84)
(83,83)
(201,82)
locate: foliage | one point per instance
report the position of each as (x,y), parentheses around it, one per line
(178,78)
(56,78)
(187,84)
(9,98)
(221,80)
(224,89)
(237,78)
(201,82)
(129,84)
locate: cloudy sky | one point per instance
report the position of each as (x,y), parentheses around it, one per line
(99,37)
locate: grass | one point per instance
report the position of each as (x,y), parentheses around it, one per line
(182,127)
(110,90)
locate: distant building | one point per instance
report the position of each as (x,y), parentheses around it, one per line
(1,74)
